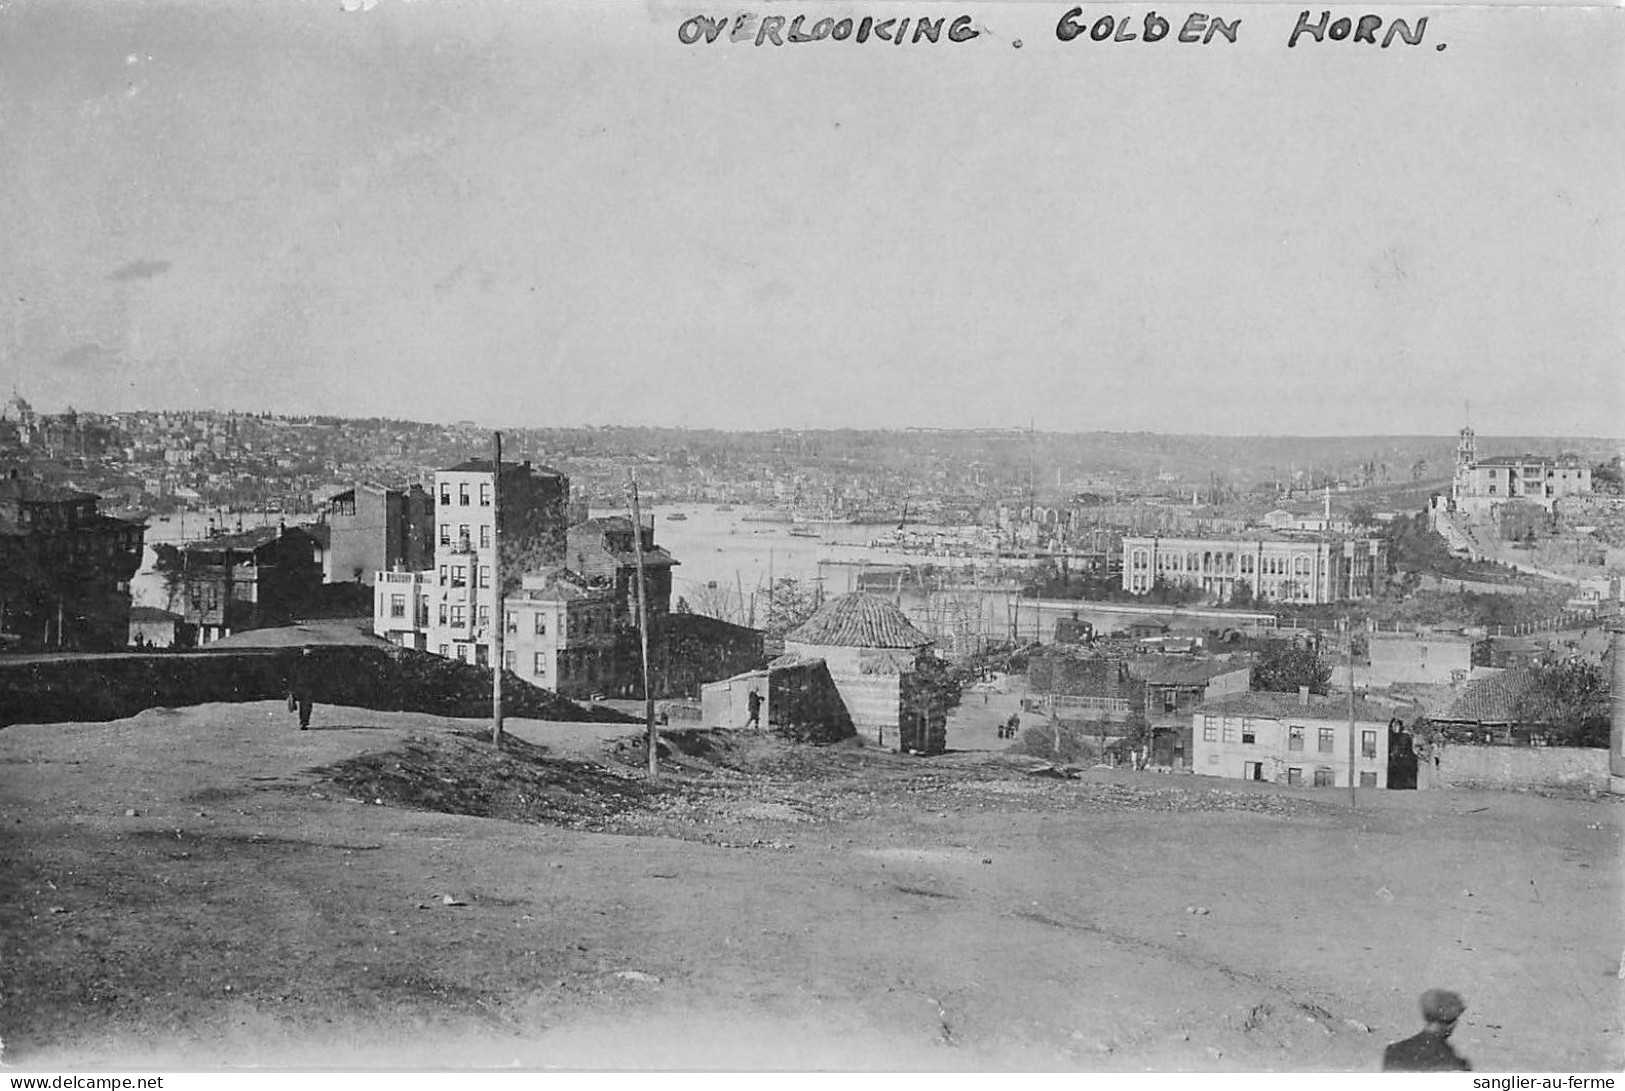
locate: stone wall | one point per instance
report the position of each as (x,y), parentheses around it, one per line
(110,687)
(1517,767)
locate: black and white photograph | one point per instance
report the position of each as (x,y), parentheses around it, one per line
(607,537)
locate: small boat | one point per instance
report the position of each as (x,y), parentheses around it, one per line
(803,532)
(676,517)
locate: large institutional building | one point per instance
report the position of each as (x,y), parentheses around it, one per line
(1481,485)
(447,610)
(1281,566)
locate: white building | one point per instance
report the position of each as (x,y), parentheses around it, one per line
(1291,739)
(459,593)
(1482,485)
(1280,566)
(400,607)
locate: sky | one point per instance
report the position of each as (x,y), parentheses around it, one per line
(552,213)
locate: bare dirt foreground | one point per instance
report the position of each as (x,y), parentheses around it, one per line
(209,886)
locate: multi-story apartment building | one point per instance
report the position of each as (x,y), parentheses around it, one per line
(1284,566)
(372,529)
(1291,739)
(1481,485)
(65,568)
(534,505)
(561,634)
(601,551)
(257,579)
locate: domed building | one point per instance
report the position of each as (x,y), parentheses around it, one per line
(883,668)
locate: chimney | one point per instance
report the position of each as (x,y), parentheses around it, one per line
(1303,696)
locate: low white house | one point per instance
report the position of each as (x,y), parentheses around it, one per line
(1291,739)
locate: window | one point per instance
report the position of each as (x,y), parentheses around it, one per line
(456,617)
(462,653)
(541,663)
(510,660)
(485,494)
(482,655)
(442,575)
(1249,730)
(444,651)
(462,535)
(1368,743)
(445,495)
(485,536)
(462,493)
(397,606)
(1229,731)
(1210,729)
(541,624)
(510,621)
(445,534)
(1368,780)
(485,575)
(1323,777)
(459,576)
(1294,738)
(1294,775)
(442,617)
(485,617)
(1325,746)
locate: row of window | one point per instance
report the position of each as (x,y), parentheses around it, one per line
(463,535)
(456,575)
(463,494)
(541,663)
(1325,736)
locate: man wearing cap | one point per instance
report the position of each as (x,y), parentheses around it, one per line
(1430,1050)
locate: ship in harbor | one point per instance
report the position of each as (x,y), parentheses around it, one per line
(767,515)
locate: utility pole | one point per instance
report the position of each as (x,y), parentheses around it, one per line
(643,629)
(499,618)
(1353,776)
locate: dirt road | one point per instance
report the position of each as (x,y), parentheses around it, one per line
(280,898)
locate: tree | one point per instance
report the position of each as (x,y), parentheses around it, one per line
(682,606)
(171,566)
(791,604)
(1284,667)
(1572,699)
(1241,595)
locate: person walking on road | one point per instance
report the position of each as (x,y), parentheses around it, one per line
(1429,1051)
(300,698)
(753,704)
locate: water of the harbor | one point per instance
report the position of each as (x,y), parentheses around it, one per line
(730,557)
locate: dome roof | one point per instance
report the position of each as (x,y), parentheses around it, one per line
(859,621)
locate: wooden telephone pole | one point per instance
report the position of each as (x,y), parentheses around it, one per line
(499,619)
(1354,775)
(643,628)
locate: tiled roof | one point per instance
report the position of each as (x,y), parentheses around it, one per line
(38,492)
(248,539)
(1286,706)
(1492,700)
(859,620)
(1161,670)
